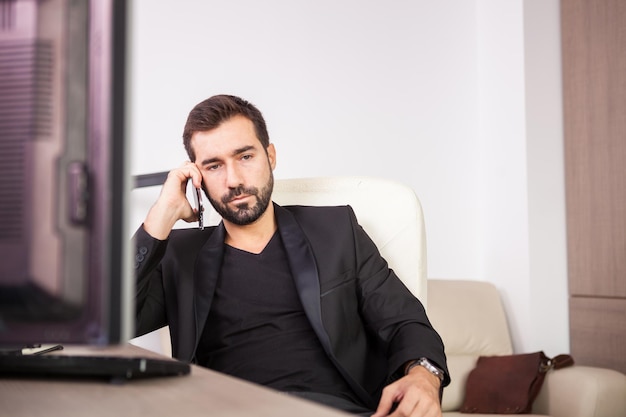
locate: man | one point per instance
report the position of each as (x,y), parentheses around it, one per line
(294,298)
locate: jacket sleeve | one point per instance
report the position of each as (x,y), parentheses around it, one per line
(149,293)
(392,312)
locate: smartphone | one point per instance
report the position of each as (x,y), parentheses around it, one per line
(197,196)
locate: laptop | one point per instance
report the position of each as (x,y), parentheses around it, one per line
(112,368)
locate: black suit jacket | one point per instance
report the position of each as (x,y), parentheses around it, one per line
(367,321)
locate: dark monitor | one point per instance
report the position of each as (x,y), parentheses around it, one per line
(63,173)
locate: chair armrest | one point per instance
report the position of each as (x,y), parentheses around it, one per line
(582,391)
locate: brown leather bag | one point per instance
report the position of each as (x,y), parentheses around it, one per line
(508,384)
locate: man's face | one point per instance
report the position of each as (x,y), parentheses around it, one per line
(236,170)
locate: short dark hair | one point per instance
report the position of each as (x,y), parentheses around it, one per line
(212,112)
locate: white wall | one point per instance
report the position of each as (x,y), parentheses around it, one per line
(522,189)
(546,178)
(439,95)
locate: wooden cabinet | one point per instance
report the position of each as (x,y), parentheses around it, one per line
(594,104)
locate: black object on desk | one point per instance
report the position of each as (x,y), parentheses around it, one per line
(114,368)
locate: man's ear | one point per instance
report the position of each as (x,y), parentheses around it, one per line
(271,155)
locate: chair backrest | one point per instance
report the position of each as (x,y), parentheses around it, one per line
(389,212)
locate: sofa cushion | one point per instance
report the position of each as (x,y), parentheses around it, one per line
(469,316)
(590,392)
(459,366)
(471,321)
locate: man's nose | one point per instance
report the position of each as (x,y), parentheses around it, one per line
(234,178)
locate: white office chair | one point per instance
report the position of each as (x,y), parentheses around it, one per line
(389,212)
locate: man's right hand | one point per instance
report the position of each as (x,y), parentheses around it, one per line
(172,204)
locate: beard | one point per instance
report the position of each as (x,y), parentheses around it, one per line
(244,214)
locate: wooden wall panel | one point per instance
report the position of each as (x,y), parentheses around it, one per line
(598,332)
(593,36)
(594,90)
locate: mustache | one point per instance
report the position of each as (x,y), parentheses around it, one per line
(235,192)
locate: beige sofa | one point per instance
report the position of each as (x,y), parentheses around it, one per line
(471,320)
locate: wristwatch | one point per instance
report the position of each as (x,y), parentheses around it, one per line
(426,364)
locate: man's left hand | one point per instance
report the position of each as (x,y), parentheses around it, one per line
(416,395)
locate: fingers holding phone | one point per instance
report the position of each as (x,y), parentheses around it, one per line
(172,204)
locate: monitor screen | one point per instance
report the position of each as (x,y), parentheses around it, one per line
(63,173)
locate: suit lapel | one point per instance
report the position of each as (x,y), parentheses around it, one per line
(304,270)
(305,274)
(206,272)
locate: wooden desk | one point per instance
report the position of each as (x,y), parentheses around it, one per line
(202,393)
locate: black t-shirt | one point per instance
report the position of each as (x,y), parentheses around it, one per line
(257,329)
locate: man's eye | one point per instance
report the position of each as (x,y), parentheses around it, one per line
(212,167)
(246,157)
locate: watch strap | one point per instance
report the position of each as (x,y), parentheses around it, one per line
(426,364)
